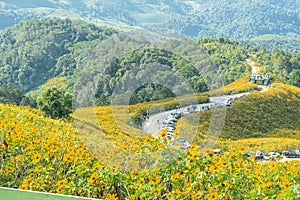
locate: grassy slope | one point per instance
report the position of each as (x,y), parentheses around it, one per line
(273,113)
(240,85)
(58,82)
(42,154)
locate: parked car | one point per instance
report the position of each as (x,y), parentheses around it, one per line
(169,136)
(171,118)
(259,155)
(186,145)
(291,154)
(205,107)
(181,140)
(170,121)
(274,155)
(186,112)
(171,129)
(170,125)
(228,102)
(178,115)
(217,151)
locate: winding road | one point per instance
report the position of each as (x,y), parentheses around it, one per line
(154,123)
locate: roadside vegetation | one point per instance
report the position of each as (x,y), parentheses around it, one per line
(47,155)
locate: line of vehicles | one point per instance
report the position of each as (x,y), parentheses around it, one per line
(293,153)
(169,125)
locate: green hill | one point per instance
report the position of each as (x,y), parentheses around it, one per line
(201,18)
(36,50)
(289,43)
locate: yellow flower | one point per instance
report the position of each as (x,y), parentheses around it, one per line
(37,168)
(213,195)
(241,148)
(176,176)
(25,185)
(29,148)
(36,157)
(61,183)
(211,168)
(53,149)
(177,191)
(68,158)
(111,197)
(93,177)
(96,166)
(247,171)
(157,181)
(8,169)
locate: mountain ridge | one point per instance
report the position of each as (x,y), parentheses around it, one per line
(201,18)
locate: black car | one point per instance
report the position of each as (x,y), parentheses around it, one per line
(291,154)
(247,154)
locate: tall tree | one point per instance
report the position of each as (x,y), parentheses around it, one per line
(55,103)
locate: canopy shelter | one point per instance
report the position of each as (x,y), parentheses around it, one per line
(264,79)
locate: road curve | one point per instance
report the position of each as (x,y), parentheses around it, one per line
(154,123)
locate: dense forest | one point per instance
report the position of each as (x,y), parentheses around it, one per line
(157,87)
(289,43)
(197,18)
(281,63)
(230,56)
(34,51)
(86,55)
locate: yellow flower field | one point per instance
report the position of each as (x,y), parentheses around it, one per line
(42,154)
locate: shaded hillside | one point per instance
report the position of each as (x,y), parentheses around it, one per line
(158,64)
(290,43)
(31,50)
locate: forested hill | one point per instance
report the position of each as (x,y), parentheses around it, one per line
(242,19)
(229,56)
(34,51)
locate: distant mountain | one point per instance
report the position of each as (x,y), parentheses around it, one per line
(195,18)
(289,43)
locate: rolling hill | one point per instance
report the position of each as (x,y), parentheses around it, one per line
(271,113)
(36,50)
(194,18)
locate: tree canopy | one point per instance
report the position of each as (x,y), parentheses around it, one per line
(55,103)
